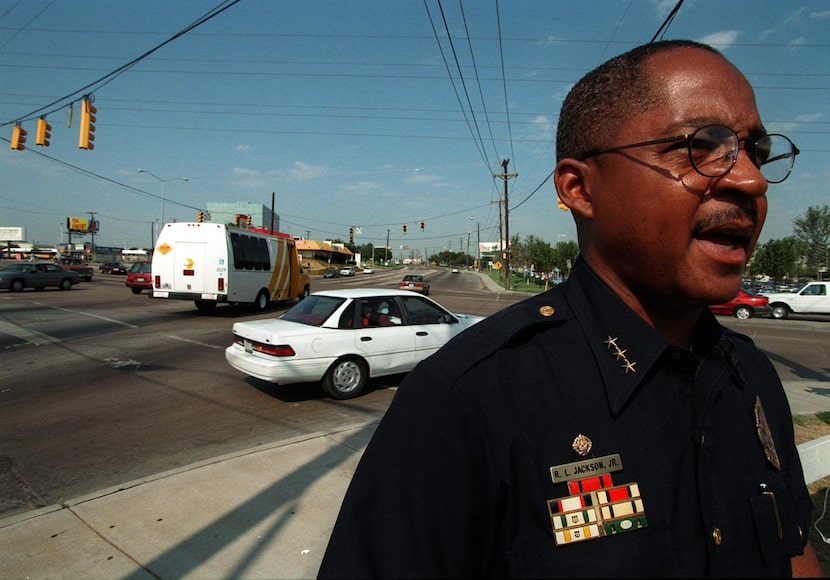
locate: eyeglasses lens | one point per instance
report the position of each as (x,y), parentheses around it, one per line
(714,150)
(775,155)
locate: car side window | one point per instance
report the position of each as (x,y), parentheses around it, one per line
(347,318)
(422,311)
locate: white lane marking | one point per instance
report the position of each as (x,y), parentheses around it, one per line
(193,341)
(30,336)
(127,324)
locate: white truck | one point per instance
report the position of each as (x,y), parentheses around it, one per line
(212,263)
(812,298)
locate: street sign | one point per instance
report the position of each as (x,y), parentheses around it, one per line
(497,265)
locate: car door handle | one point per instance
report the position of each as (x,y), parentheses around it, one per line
(422,333)
(365,338)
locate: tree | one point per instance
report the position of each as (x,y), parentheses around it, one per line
(813,229)
(779,259)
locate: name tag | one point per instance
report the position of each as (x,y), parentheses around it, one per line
(586,468)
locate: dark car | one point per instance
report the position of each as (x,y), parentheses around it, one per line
(744,305)
(15,277)
(139,277)
(112,268)
(415,283)
(331,273)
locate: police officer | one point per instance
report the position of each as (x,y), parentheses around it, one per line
(610,426)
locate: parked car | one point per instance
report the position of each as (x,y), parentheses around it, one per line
(331,273)
(744,305)
(113,268)
(347,271)
(344,337)
(415,283)
(139,277)
(15,277)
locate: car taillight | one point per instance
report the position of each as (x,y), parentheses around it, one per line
(221,285)
(277,350)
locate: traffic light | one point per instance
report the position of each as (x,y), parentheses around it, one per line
(404,228)
(248,221)
(351,235)
(86,136)
(43,133)
(19,137)
(200,217)
(422,226)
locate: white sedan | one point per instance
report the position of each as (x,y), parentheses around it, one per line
(343,337)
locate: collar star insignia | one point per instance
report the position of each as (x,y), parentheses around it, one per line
(619,354)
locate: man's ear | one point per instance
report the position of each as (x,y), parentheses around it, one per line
(571,179)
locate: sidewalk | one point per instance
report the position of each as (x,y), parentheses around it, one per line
(263,513)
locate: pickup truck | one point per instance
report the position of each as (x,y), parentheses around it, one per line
(812,298)
(83,269)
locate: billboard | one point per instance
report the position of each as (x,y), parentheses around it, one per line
(11,234)
(78,225)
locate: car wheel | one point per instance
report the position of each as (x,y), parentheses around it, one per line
(205,305)
(345,379)
(66,284)
(136,290)
(261,302)
(16,286)
(780,311)
(743,312)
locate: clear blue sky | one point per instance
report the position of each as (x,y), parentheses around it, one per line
(354,113)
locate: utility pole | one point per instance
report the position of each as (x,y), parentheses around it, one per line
(504,175)
(92,228)
(386,251)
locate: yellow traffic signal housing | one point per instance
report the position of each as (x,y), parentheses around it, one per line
(43,133)
(86,136)
(201,216)
(19,137)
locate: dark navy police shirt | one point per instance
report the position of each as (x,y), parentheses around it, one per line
(690,469)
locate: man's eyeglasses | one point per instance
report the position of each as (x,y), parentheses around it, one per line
(713,151)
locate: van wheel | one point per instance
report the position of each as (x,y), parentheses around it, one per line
(205,305)
(345,379)
(261,302)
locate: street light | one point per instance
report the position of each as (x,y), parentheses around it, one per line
(163,182)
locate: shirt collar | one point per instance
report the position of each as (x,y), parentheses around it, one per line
(623,344)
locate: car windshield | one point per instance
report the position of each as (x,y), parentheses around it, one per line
(314,310)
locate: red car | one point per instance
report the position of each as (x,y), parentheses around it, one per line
(744,305)
(139,277)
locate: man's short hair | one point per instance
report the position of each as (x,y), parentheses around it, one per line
(599,104)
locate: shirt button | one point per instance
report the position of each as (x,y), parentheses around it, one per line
(717,537)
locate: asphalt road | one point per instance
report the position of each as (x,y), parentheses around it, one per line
(99,386)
